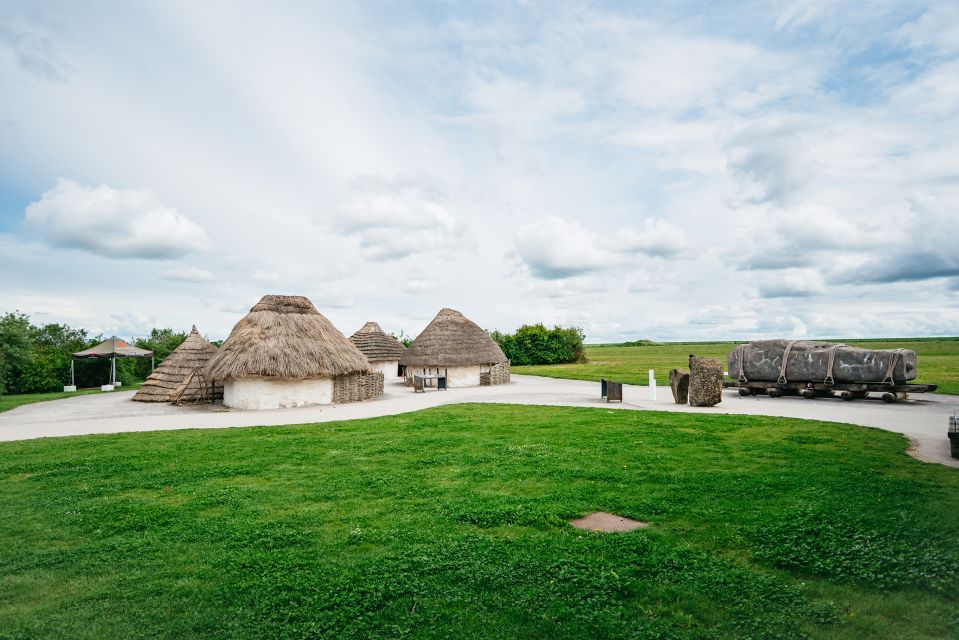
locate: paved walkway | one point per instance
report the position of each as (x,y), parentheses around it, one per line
(924,419)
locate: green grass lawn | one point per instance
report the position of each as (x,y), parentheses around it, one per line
(20,399)
(937,360)
(451,522)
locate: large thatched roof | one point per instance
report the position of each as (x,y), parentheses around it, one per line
(376,345)
(286,337)
(181,374)
(450,340)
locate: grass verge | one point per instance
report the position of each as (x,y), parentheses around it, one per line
(451,522)
(18,400)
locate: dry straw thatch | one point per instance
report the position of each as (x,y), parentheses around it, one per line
(180,376)
(452,340)
(285,337)
(377,345)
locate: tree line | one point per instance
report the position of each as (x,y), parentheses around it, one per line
(36,358)
(535,344)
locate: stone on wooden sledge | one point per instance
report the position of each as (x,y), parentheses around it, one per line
(705,381)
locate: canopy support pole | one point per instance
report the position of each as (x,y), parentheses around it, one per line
(152,365)
(73,381)
(113,370)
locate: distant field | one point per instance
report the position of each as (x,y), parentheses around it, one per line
(938,360)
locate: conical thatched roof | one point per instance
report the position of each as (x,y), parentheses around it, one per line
(450,340)
(181,374)
(376,345)
(286,337)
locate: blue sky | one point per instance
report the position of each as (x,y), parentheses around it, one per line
(664,170)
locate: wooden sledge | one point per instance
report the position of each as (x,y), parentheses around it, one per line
(848,391)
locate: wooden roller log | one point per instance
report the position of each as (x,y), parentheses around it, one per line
(773,392)
(848,396)
(809,394)
(745,391)
(894,396)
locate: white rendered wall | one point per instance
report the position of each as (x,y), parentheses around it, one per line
(268,393)
(387,367)
(464,376)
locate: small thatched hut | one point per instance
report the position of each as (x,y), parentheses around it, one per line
(285,353)
(382,350)
(180,377)
(454,346)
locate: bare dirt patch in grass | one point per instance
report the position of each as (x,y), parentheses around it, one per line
(607,523)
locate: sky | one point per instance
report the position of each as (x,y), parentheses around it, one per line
(670,171)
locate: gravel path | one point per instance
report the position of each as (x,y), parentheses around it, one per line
(924,419)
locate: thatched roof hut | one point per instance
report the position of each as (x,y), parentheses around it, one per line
(451,340)
(179,378)
(285,337)
(376,345)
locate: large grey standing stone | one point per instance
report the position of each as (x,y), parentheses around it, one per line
(679,382)
(809,361)
(705,381)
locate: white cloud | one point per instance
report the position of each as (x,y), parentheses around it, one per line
(791,283)
(400,217)
(418,281)
(267,276)
(555,248)
(128,223)
(792,153)
(34,51)
(332,299)
(129,323)
(188,274)
(797,13)
(923,248)
(937,28)
(656,238)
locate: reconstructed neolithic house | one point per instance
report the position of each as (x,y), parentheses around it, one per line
(285,353)
(383,351)
(180,378)
(455,347)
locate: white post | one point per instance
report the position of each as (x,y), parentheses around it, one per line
(73,384)
(652,385)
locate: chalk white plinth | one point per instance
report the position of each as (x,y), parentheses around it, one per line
(106,387)
(69,388)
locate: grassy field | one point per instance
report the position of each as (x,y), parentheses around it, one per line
(20,399)
(451,523)
(938,360)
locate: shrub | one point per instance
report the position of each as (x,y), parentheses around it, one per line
(16,350)
(535,344)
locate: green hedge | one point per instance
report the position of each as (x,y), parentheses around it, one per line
(535,344)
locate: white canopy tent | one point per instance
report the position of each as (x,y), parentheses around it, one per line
(111,348)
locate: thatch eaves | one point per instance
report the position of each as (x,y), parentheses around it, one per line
(181,370)
(376,345)
(451,340)
(286,337)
